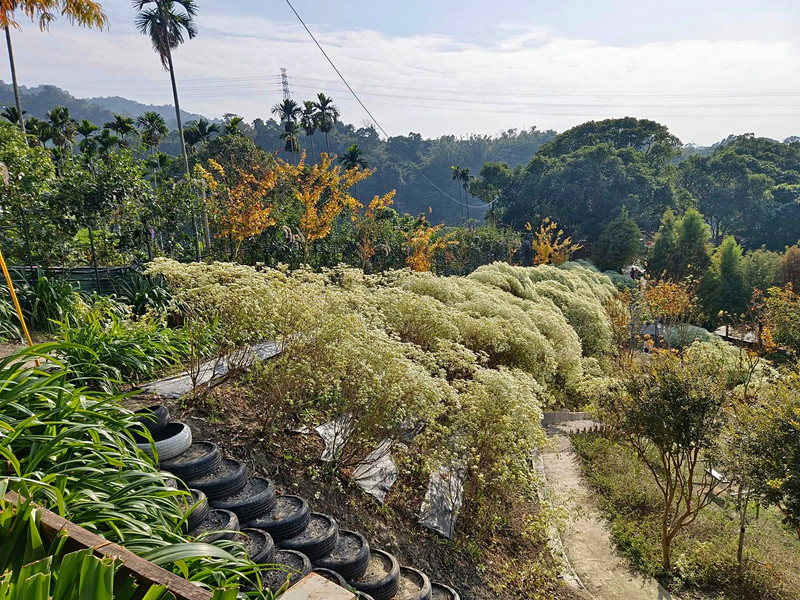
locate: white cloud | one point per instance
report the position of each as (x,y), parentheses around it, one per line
(703,90)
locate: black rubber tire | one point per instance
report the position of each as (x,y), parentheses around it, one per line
(230,524)
(171,441)
(200,511)
(363,596)
(444,591)
(349,567)
(256,498)
(288,517)
(188,469)
(384,588)
(331,576)
(228,479)
(419,576)
(276,578)
(154,418)
(318,546)
(266,554)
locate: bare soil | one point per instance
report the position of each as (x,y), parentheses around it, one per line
(347,547)
(225,468)
(378,568)
(292,462)
(409,586)
(318,528)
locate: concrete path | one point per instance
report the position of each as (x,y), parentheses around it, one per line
(587,540)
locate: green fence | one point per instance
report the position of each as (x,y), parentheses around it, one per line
(105,280)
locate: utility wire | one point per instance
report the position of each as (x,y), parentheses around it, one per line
(374,120)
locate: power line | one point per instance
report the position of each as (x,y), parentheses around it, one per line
(496,92)
(374,120)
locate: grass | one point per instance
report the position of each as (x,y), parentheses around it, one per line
(705,552)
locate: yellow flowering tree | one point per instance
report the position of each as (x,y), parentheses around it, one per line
(368,227)
(322,190)
(549,245)
(423,244)
(245,207)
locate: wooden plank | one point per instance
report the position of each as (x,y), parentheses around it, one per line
(315,587)
(145,572)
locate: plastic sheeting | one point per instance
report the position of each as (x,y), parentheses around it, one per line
(335,435)
(377,473)
(179,386)
(443,500)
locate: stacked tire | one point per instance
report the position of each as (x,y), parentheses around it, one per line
(275,529)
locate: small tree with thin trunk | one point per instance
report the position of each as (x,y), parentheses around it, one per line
(671,411)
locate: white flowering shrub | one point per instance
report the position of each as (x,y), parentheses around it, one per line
(467,362)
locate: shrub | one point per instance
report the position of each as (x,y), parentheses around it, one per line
(90,470)
(46,302)
(108,351)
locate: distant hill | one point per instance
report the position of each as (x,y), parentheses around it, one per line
(40,99)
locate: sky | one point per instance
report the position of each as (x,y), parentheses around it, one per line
(704,68)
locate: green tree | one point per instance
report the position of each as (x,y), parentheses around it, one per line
(166,22)
(289,112)
(24,213)
(619,244)
(122,126)
(651,139)
(86,13)
(773,448)
(694,254)
(456,175)
(153,129)
(790,268)
(200,132)
(671,411)
(309,123)
(232,125)
(722,291)
(761,270)
(327,116)
(662,262)
(86,128)
(10,114)
(352,159)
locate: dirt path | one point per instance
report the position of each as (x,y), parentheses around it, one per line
(587,540)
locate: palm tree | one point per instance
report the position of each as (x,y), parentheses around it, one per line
(352,159)
(86,13)
(63,128)
(88,145)
(457,178)
(465,179)
(9,113)
(38,130)
(197,132)
(86,128)
(122,126)
(232,125)
(289,111)
(328,115)
(166,25)
(291,143)
(309,123)
(106,142)
(153,128)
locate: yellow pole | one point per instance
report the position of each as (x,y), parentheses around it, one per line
(16,301)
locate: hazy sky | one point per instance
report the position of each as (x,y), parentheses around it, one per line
(705,68)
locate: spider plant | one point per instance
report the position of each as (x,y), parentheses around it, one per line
(74,448)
